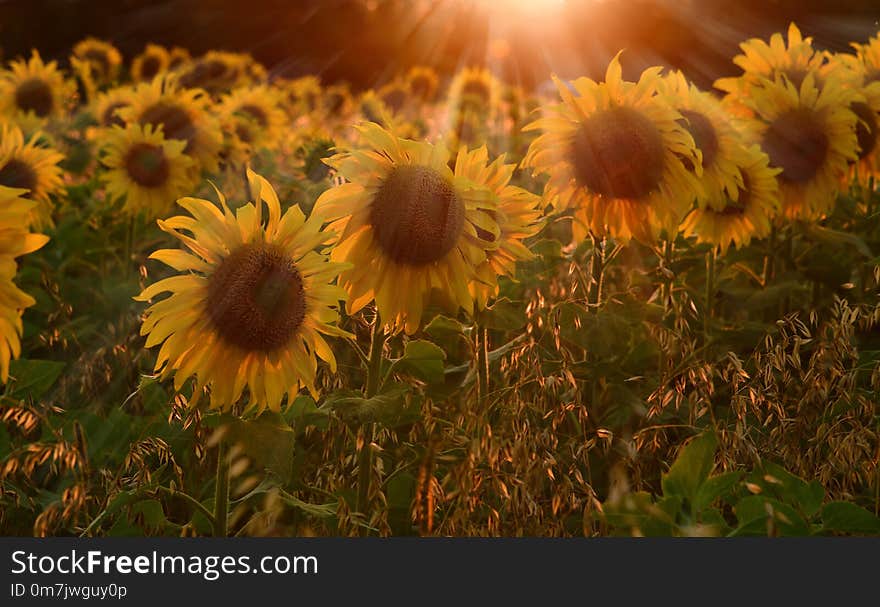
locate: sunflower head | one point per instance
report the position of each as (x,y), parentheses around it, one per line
(252,304)
(32,92)
(810,135)
(150,63)
(792,60)
(15,240)
(615,152)
(146,170)
(422,82)
(717,141)
(747,212)
(517,213)
(407,219)
(475,89)
(32,166)
(103,58)
(182,114)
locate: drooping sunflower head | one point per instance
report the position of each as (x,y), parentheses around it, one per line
(477,89)
(716,139)
(183,114)
(150,63)
(31,166)
(252,304)
(144,169)
(422,82)
(792,60)
(103,57)
(32,92)
(747,212)
(810,135)
(517,213)
(409,227)
(615,153)
(15,240)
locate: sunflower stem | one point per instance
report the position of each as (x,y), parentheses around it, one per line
(365,455)
(482,347)
(710,293)
(221,490)
(597,268)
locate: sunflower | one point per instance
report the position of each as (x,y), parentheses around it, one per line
(810,135)
(183,114)
(32,92)
(518,216)
(614,152)
(145,169)
(251,304)
(178,57)
(861,72)
(475,88)
(422,82)
(409,226)
(216,72)
(395,96)
(336,101)
(716,139)
(150,63)
(106,107)
(30,166)
(748,210)
(761,60)
(257,114)
(102,56)
(15,241)
(303,95)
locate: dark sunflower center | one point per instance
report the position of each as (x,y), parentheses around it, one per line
(394,99)
(147,165)
(739,206)
(797,144)
(35,95)
(256,113)
(18,174)
(175,122)
(705,137)
(618,153)
(110,117)
(99,59)
(417,216)
(866,127)
(256,299)
(477,89)
(150,67)
(244,133)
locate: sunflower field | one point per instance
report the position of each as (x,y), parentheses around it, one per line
(235,304)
